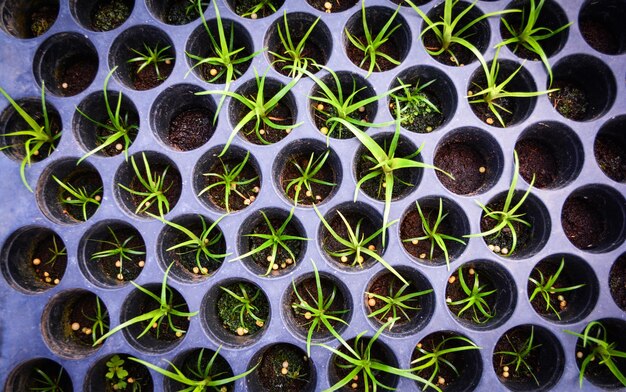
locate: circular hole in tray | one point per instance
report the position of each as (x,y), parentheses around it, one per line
(28,375)
(175,12)
(602,25)
(610,148)
(97,376)
(28,18)
(617,281)
(301,372)
(101,15)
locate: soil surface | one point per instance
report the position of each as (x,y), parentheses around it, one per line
(229,309)
(321,116)
(102,134)
(197,362)
(504,239)
(367,228)
(455,292)
(596,370)
(298,370)
(599,36)
(617,282)
(129,269)
(518,343)
(81,310)
(411,227)
(337,5)
(148,77)
(463,162)
(611,157)
(506,107)
(538,159)
(51,369)
(310,51)
(190,129)
(15,144)
(377,353)
(583,222)
(571,100)
(318,192)
(84,180)
(172,188)
(388,285)
(109,14)
(42,19)
(51,269)
(75,74)
(283,259)
(236,201)
(362,60)
(176,13)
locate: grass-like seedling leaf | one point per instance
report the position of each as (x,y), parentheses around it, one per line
(98,327)
(79,196)
(431,233)
(260,109)
(225,57)
(45,383)
(507,216)
(448,30)
(166,310)
(118,249)
(275,239)
(595,336)
(413,102)
(358,361)
(293,55)
(396,303)
(316,309)
(56,252)
(474,300)
(36,136)
(431,361)
(520,354)
(115,128)
(545,288)
(357,246)
(494,91)
(151,56)
(529,35)
(307,175)
(204,378)
(153,185)
(246,304)
(116,373)
(260,6)
(371,46)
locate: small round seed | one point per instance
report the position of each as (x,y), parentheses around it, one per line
(371,302)
(324,130)
(328,5)
(75,326)
(262,131)
(213,72)
(240,331)
(354,385)
(560,298)
(205,270)
(505,374)
(285,364)
(491,247)
(320,106)
(64,85)
(482,169)
(441,381)
(356,378)
(130,380)
(259,323)
(362,109)
(253,16)
(57,281)
(423,256)
(46,273)
(141,263)
(344,259)
(563,304)
(246,202)
(579,354)
(360,259)
(506,369)
(309,193)
(270,258)
(275,267)
(284,371)
(471,271)
(289,261)
(504,251)
(168,61)
(118,263)
(120,277)
(87,331)
(283,265)
(288,130)
(419,345)
(415,242)
(496,249)
(48,280)
(371,247)
(179,334)
(489,120)
(36,261)
(448,299)
(195,270)
(119,146)
(98,197)
(452,279)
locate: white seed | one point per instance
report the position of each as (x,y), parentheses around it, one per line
(370,295)
(415,242)
(120,277)
(275,267)
(118,263)
(482,169)
(262,131)
(36,261)
(371,247)
(423,256)
(36,152)
(289,261)
(318,197)
(309,193)
(48,280)
(371,302)
(471,271)
(284,371)
(563,304)
(320,106)
(247,202)
(68,198)
(168,61)
(560,298)
(452,279)
(98,197)
(179,334)
(496,249)
(195,270)
(213,72)
(441,381)
(240,331)
(285,365)
(252,198)
(489,120)
(504,251)
(119,146)
(283,265)
(57,281)
(328,5)
(356,378)
(288,130)
(491,247)
(505,374)
(470,93)
(46,273)
(579,354)
(360,259)
(141,263)
(253,16)
(270,258)
(354,385)
(419,345)
(64,85)
(327,11)
(506,369)
(362,109)
(87,331)
(344,259)
(259,323)
(256,189)
(448,300)
(75,326)
(324,130)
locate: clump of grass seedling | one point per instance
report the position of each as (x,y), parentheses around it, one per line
(292,56)
(520,354)
(308,175)
(99,326)
(37,138)
(117,374)
(371,46)
(413,103)
(56,253)
(259,8)
(79,196)
(151,56)
(165,312)
(396,302)
(431,232)
(474,300)
(546,288)
(118,249)
(45,383)
(246,306)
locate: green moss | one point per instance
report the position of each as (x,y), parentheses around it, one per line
(229,313)
(110,15)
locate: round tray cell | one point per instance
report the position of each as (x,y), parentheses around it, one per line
(568,306)
(299,374)
(396,47)
(31,375)
(197,261)
(335,5)
(364,221)
(602,25)
(223,312)
(138,376)
(304,164)
(72,321)
(512,110)
(551,152)
(134,174)
(467,362)
(385,287)
(292,28)
(611,331)
(34,259)
(593,218)
(349,84)
(101,15)
(112,253)
(454,223)
(182,120)
(541,352)
(617,281)
(196,363)
(336,302)
(161,338)
(473,157)
(405,180)
(92,136)
(498,305)
(425,84)
(228,183)
(133,48)
(255,9)
(586,87)
(610,148)
(67,63)
(200,44)
(28,18)
(58,203)
(551,17)
(478,35)
(175,12)
(265,222)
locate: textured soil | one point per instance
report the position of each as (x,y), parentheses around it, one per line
(611,157)
(139,373)
(148,77)
(458,359)
(290,172)
(583,222)
(539,159)
(506,107)
(230,316)
(367,228)
(163,333)
(281,114)
(76,72)
(464,163)
(539,303)
(308,291)
(455,292)
(599,36)
(617,282)
(337,5)
(190,129)
(244,6)
(90,183)
(269,370)
(110,14)
(42,18)
(521,376)
(571,100)
(390,48)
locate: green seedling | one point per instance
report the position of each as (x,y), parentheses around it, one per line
(99,325)
(520,354)
(293,55)
(259,8)
(154,189)
(45,383)
(118,249)
(396,302)
(116,373)
(414,103)
(36,138)
(152,56)
(474,300)
(246,306)
(307,175)
(79,196)
(56,252)
(546,288)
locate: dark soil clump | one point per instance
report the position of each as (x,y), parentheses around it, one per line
(570,100)
(229,309)
(583,222)
(464,163)
(190,129)
(537,159)
(611,157)
(299,370)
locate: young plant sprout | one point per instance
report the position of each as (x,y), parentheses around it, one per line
(396,303)
(79,196)
(359,360)
(45,383)
(293,55)
(116,373)
(431,361)
(203,376)
(118,249)
(307,175)
(371,46)
(231,181)
(151,56)
(474,300)
(261,7)
(528,35)
(246,306)
(520,354)
(36,138)
(414,103)
(56,252)
(546,287)
(316,308)
(595,339)
(507,216)
(275,239)
(431,233)
(99,327)
(153,185)
(165,310)
(357,245)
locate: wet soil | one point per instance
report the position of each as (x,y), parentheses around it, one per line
(583,222)
(538,159)
(148,77)
(455,292)
(190,129)
(610,154)
(75,74)
(463,162)
(571,100)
